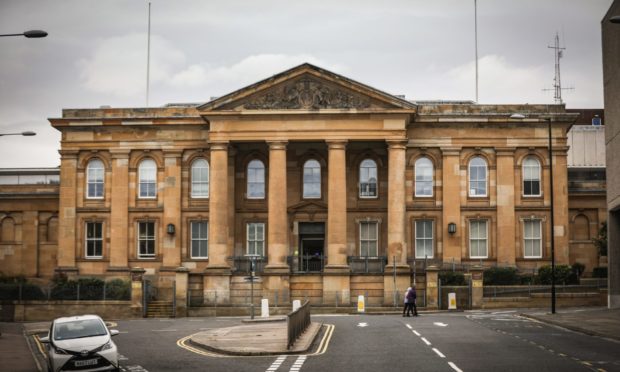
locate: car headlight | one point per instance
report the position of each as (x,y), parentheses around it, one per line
(60,351)
(107,346)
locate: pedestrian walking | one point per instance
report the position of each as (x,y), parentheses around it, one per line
(412,296)
(406,307)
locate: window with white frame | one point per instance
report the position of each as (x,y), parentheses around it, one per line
(477,177)
(200,239)
(369,242)
(256,239)
(532,238)
(423,177)
(531,177)
(256,180)
(94,240)
(424,239)
(146,239)
(478,239)
(312,179)
(200,179)
(368,179)
(95,173)
(147,176)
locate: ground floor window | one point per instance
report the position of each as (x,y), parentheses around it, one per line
(369,239)
(256,239)
(200,239)
(478,240)
(532,239)
(146,239)
(424,239)
(94,239)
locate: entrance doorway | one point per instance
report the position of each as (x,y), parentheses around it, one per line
(311,246)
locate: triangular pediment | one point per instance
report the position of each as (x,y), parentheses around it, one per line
(307,88)
(308,206)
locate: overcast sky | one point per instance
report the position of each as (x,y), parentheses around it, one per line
(95,53)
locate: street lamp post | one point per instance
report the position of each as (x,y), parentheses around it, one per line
(28,133)
(32,34)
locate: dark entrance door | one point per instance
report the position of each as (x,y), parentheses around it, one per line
(311,246)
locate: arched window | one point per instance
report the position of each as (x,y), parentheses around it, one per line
(368,179)
(477,177)
(200,179)
(95,173)
(581,228)
(8,230)
(312,179)
(531,177)
(423,177)
(256,180)
(147,175)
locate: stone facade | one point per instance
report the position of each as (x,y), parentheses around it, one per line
(334,184)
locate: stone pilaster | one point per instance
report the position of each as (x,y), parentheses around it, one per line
(432,289)
(172,209)
(277,236)
(137,291)
(218,207)
(397,243)
(337,208)
(181,289)
(560,205)
(452,204)
(477,288)
(119,217)
(66,212)
(506,249)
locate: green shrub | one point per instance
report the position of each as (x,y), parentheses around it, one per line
(528,279)
(501,276)
(11,291)
(563,275)
(452,278)
(118,289)
(599,272)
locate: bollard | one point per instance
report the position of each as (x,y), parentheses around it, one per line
(361,304)
(264,308)
(451,301)
(296,304)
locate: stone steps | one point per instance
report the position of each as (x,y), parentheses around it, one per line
(159,309)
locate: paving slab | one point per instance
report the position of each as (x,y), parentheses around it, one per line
(601,322)
(15,353)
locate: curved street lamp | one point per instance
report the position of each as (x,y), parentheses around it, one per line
(29,34)
(27,133)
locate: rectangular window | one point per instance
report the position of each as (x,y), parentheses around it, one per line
(146,239)
(256,239)
(369,239)
(94,240)
(478,241)
(424,239)
(532,239)
(200,239)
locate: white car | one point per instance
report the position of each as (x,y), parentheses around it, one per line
(81,343)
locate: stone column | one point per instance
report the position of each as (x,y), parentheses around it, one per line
(66,212)
(119,217)
(217,274)
(397,244)
(560,205)
(452,204)
(181,288)
(137,292)
(277,230)
(172,210)
(432,289)
(477,288)
(506,248)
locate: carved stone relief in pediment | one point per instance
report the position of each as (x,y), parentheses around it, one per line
(306,94)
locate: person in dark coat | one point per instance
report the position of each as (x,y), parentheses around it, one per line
(411,297)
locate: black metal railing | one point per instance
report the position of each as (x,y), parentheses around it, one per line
(368,265)
(307,263)
(243,264)
(296,323)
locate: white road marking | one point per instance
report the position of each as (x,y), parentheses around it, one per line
(362,325)
(408,326)
(504,312)
(454,367)
(277,363)
(439,324)
(438,353)
(426,341)
(134,369)
(416,333)
(164,330)
(298,364)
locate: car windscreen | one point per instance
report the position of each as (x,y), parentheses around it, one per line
(79,329)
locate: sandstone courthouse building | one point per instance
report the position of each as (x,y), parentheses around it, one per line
(332,184)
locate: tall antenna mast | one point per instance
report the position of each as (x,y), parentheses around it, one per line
(476,43)
(148,57)
(557,82)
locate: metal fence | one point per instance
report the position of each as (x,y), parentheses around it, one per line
(367,265)
(119,290)
(529,290)
(296,323)
(243,264)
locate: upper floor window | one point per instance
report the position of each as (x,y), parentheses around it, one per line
(532,239)
(424,239)
(94,240)
(478,239)
(200,239)
(369,232)
(368,179)
(312,179)
(477,177)
(423,177)
(200,179)
(256,180)
(531,177)
(147,175)
(95,173)
(146,239)
(256,239)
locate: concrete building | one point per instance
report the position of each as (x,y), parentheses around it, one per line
(338,189)
(611,81)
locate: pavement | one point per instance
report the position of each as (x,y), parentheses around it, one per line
(267,338)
